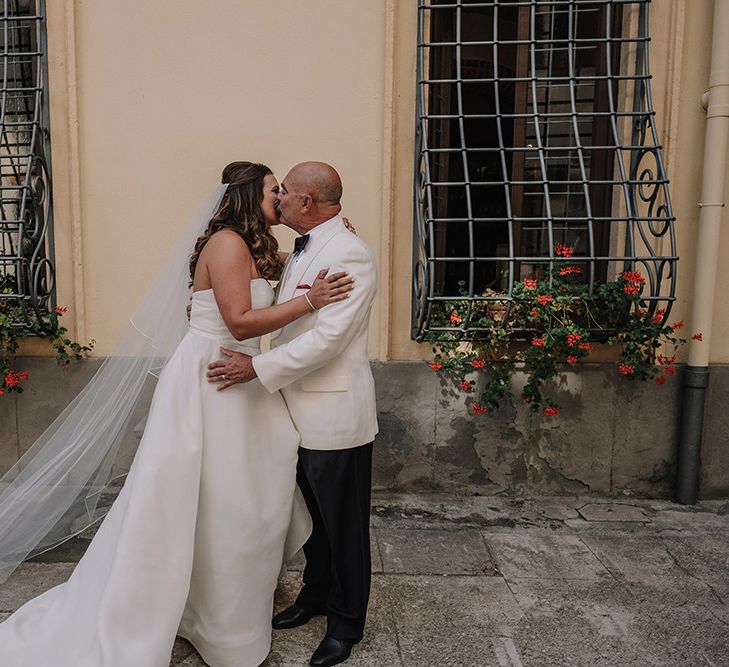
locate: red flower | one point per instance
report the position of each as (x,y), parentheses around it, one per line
(544,299)
(677,325)
(564,250)
(478,409)
(632,277)
(567,270)
(551,411)
(665,361)
(2,391)
(587,347)
(478,363)
(698,336)
(573,339)
(572,360)
(60,310)
(631,289)
(534,314)
(13,379)
(538,342)
(625,369)
(529,283)
(658,316)
(661,380)
(465,386)
(435,366)
(456,319)
(669,370)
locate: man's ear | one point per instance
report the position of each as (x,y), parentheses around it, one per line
(306,203)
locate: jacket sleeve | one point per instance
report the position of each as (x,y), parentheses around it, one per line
(335,327)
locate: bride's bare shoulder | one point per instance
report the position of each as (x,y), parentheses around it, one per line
(228,242)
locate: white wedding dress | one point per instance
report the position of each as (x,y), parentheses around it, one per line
(194,543)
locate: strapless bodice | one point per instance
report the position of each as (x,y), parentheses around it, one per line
(206,320)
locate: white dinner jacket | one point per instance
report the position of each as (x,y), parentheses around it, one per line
(320,361)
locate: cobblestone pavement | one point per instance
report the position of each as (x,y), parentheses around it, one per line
(505,582)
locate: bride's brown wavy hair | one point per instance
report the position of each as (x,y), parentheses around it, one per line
(240,211)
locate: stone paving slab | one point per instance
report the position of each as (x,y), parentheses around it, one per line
(706,560)
(633,558)
(595,623)
(29,581)
(683,616)
(543,556)
(434,552)
(450,620)
(614,512)
(564,590)
(688,521)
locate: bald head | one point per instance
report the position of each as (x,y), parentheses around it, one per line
(310,195)
(318,179)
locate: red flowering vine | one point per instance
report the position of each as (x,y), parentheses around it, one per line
(562,312)
(18,322)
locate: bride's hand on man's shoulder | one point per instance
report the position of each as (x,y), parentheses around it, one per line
(349,225)
(328,289)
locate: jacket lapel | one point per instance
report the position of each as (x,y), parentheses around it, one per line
(318,243)
(284,277)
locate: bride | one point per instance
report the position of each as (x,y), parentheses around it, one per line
(194,542)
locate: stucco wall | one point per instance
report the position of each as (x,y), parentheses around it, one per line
(150,100)
(167,93)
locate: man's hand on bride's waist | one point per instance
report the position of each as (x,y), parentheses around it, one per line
(237,368)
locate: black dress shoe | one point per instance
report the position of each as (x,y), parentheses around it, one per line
(331,652)
(293,617)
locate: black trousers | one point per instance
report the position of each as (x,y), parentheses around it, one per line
(337,488)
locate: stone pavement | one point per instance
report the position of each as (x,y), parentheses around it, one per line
(505,582)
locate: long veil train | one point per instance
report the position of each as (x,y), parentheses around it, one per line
(56,489)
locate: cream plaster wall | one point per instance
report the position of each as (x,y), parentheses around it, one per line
(170,91)
(150,99)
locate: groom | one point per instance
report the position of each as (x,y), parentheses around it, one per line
(320,364)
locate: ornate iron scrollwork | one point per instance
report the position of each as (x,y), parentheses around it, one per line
(535,127)
(27,270)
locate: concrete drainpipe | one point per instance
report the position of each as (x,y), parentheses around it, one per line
(696,377)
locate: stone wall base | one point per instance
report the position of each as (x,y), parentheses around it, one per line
(613,436)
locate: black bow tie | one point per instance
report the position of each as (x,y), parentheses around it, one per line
(300,243)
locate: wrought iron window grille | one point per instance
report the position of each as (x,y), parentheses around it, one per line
(535,127)
(27,272)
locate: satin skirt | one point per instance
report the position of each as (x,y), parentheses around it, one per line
(194,543)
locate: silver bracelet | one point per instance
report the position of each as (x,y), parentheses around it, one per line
(308,300)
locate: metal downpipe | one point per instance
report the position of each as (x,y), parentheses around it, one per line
(696,377)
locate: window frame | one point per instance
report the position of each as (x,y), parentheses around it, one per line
(630,194)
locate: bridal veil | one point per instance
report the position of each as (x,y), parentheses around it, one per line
(65,482)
